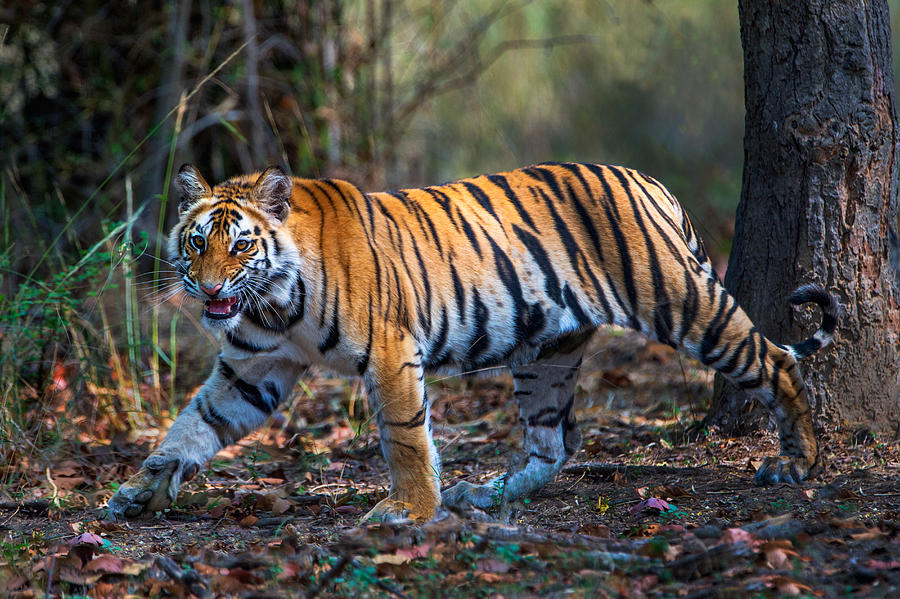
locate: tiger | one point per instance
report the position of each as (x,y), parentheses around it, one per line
(514,269)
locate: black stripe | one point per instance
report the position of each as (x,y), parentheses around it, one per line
(417,420)
(437,347)
(714,329)
(575,169)
(480,340)
(390,217)
(552,183)
(550,417)
(444,202)
(572,303)
(690,306)
(542,457)
(249,393)
(587,222)
(534,247)
(481,197)
(510,280)
(467,229)
(334,332)
(459,293)
(569,243)
(273,391)
(501,182)
(732,362)
(246,345)
(363,363)
(612,216)
(210,415)
(426,282)
(535,322)
(431,227)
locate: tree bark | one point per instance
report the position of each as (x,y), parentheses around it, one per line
(819,202)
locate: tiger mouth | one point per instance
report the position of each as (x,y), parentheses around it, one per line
(221,309)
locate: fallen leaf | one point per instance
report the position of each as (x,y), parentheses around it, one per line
(595,530)
(76,575)
(87,538)
(871,534)
(653,503)
(739,535)
(289,570)
(415,552)
(68,483)
(390,558)
(16,582)
(280,506)
(249,521)
(880,565)
(493,565)
(778,552)
(108,564)
(792,587)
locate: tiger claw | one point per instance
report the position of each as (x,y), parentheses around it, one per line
(152,489)
(782,469)
(392,511)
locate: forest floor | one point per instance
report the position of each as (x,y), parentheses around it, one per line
(642,510)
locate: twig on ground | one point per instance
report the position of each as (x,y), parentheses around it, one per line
(336,569)
(190,579)
(33,507)
(605,471)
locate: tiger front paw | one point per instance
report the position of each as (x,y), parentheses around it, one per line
(390,510)
(399,511)
(153,488)
(784,469)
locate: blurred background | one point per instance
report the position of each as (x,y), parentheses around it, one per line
(99,101)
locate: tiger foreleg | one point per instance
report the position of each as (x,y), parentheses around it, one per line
(545,393)
(396,386)
(236,399)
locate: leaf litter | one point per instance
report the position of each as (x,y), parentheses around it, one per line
(647,508)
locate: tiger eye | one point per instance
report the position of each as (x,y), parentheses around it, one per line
(198,242)
(241,245)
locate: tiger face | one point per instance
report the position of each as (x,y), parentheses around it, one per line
(228,246)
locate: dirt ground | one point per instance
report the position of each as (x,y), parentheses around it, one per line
(644,509)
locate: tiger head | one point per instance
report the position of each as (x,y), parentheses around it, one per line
(230,245)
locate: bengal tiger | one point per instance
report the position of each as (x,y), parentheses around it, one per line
(516,268)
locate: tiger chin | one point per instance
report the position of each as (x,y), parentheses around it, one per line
(516,269)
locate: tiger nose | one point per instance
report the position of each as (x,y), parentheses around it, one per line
(211,291)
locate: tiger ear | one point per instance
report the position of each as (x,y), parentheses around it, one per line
(272,193)
(191,186)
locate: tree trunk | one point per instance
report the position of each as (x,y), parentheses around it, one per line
(819,202)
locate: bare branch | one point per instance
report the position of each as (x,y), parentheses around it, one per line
(435,85)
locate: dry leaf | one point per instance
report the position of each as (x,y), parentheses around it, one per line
(390,558)
(778,553)
(108,564)
(415,552)
(493,565)
(249,521)
(280,506)
(653,503)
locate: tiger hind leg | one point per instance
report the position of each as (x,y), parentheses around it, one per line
(770,372)
(544,390)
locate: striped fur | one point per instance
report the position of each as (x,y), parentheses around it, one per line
(516,269)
